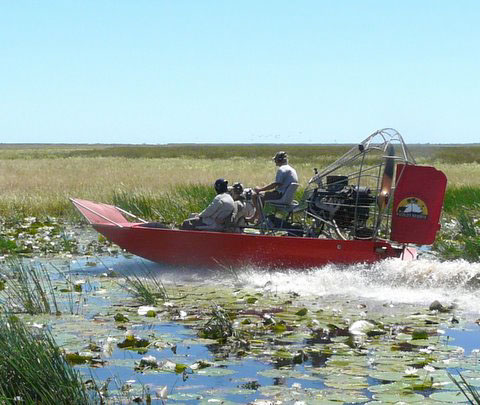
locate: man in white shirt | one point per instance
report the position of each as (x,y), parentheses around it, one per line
(217,214)
(285,176)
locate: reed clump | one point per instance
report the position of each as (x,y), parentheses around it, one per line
(27,288)
(457,199)
(33,369)
(146,287)
(460,238)
(468,390)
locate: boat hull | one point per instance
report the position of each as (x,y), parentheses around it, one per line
(217,249)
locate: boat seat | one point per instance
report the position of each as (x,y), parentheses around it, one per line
(286,204)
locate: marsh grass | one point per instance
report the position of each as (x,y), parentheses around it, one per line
(33,369)
(460,239)
(461,198)
(169,182)
(146,287)
(454,154)
(468,390)
(219,326)
(28,288)
(171,207)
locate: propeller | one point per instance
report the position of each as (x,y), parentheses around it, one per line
(386,184)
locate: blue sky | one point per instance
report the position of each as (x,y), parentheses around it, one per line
(138,71)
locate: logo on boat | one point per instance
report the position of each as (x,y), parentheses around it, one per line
(412,207)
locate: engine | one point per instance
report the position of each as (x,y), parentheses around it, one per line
(347,205)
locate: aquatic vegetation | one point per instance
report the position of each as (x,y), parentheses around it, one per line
(30,235)
(27,288)
(257,343)
(134,343)
(219,326)
(460,238)
(33,369)
(145,287)
(461,198)
(467,389)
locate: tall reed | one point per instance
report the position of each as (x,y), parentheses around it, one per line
(28,288)
(459,198)
(468,390)
(33,369)
(145,286)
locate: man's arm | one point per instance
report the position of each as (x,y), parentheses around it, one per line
(270,186)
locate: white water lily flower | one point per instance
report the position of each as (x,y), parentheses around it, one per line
(410,371)
(168,365)
(296,386)
(144,309)
(430,369)
(38,325)
(162,392)
(168,304)
(440,331)
(109,346)
(79,282)
(459,350)
(360,327)
(149,361)
(183,314)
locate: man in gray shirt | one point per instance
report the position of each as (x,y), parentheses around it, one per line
(285,176)
(217,214)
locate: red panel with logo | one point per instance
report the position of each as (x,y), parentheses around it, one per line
(417,204)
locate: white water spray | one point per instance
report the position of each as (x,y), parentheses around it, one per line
(396,281)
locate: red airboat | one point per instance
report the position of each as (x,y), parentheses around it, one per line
(373,203)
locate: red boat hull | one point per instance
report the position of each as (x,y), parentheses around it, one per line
(218,249)
(214,249)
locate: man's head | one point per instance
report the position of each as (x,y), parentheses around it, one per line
(280,158)
(237,191)
(221,186)
(237,188)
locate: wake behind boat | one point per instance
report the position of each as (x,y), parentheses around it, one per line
(373,203)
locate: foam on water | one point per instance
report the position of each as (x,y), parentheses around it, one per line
(393,280)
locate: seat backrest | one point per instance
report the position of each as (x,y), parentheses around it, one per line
(288,196)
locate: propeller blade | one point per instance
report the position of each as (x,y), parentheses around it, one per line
(387,179)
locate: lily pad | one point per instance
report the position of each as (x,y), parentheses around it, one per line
(215,372)
(400,397)
(455,397)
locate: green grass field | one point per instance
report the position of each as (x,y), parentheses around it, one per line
(173,180)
